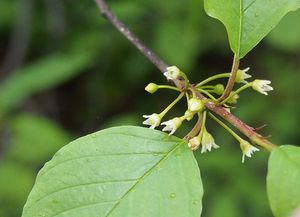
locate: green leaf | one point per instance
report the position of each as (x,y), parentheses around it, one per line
(40,75)
(248,21)
(123,171)
(283,180)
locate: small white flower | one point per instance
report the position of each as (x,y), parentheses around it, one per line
(194,143)
(172,125)
(247,149)
(207,142)
(195,105)
(152,120)
(172,73)
(241,75)
(262,86)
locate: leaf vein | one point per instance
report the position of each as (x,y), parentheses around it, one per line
(145,175)
(80,185)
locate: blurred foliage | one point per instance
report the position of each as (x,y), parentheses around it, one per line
(79,75)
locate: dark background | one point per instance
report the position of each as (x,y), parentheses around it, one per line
(66,72)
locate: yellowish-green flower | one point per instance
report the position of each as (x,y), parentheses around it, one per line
(194,143)
(241,75)
(189,115)
(151,88)
(196,105)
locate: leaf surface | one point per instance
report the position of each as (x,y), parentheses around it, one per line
(283,180)
(123,171)
(248,21)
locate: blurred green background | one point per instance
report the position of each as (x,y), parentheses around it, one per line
(66,72)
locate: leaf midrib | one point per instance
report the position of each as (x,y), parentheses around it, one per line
(143,176)
(240,28)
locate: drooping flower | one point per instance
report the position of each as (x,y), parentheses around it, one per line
(194,143)
(262,86)
(195,105)
(172,125)
(151,88)
(152,120)
(207,142)
(172,73)
(241,75)
(247,149)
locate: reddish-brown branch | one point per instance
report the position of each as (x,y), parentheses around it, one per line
(161,65)
(231,80)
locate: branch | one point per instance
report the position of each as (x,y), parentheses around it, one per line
(231,80)
(161,65)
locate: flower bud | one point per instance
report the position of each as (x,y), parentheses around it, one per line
(189,115)
(194,143)
(219,89)
(233,98)
(196,105)
(151,88)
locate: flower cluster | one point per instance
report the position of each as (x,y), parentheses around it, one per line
(199,136)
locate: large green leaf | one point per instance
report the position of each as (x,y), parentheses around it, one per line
(40,75)
(283,180)
(248,21)
(123,171)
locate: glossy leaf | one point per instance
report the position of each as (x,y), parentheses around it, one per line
(283,180)
(248,21)
(123,171)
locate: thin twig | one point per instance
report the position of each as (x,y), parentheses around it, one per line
(231,80)
(160,64)
(195,129)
